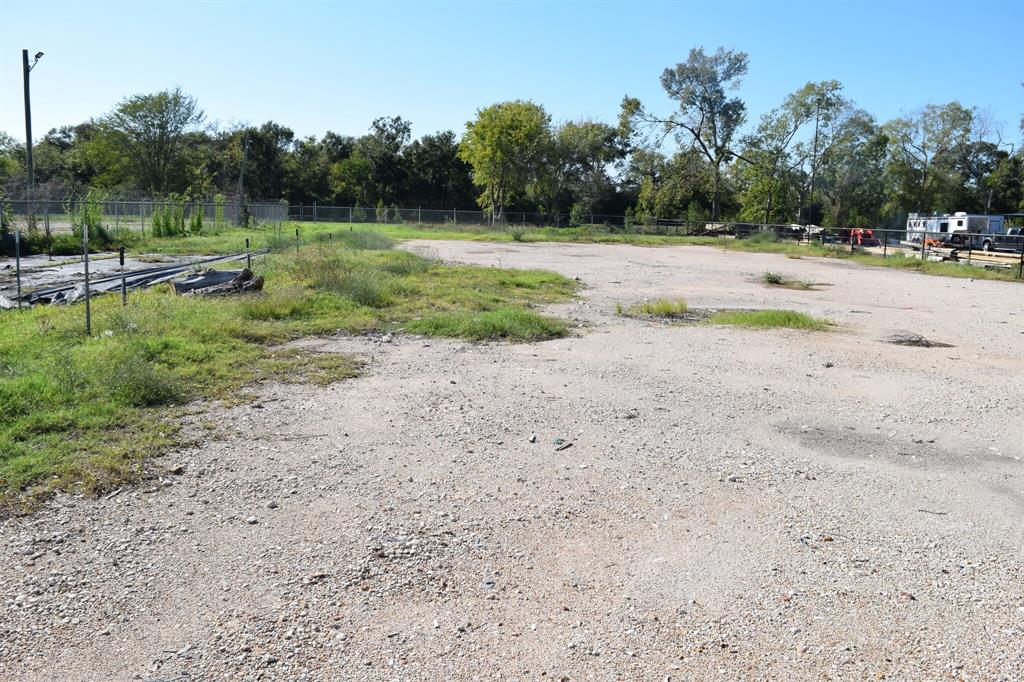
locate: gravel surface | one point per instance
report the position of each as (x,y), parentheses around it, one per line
(638,501)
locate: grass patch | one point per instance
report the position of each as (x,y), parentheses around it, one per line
(663,307)
(510,324)
(774,279)
(80,412)
(763,319)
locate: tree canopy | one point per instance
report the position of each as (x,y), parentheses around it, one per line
(816,157)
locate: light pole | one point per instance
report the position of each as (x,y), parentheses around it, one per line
(26,67)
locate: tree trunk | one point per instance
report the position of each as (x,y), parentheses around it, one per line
(717,194)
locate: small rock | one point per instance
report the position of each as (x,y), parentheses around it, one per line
(252,520)
(533,437)
(272,505)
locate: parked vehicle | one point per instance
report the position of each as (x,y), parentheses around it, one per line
(958,229)
(1012,240)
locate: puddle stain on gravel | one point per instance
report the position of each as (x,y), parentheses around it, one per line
(851,443)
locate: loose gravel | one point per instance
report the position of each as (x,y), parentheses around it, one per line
(639,501)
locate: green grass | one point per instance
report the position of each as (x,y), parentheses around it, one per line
(663,307)
(763,319)
(84,412)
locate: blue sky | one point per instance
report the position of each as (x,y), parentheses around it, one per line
(336,66)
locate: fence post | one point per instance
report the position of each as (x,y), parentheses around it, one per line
(349,214)
(1020,264)
(885,243)
(85,260)
(117,218)
(124,287)
(296,240)
(248,258)
(419,215)
(455,216)
(142,216)
(17,261)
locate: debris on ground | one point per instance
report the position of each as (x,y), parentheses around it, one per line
(912,339)
(219,283)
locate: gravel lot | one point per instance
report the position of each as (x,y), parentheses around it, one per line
(735,504)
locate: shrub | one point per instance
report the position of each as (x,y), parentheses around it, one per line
(763,237)
(577,215)
(196,224)
(364,240)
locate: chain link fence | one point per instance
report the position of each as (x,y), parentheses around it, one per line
(54,216)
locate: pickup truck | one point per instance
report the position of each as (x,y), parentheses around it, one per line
(1012,240)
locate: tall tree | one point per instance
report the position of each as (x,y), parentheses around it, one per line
(852,171)
(382,149)
(922,148)
(774,158)
(573,164)
(707,119)
(150,130)
(504,145)
(437,177)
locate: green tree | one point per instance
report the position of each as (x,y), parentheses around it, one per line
(922,148)
(852,171)
(150,131)
(437,177)
(771,193)
(573,165)
(707,119)
(504,146)
(382,150)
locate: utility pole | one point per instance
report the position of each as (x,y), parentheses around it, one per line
(241,177)
(26,68)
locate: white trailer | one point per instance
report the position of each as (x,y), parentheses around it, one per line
(958,229)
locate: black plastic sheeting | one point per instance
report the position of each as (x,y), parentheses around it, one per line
(72,292)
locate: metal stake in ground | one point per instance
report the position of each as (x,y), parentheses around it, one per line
(17,262)
(124,288)
(296,240)
(85,260)
(248,258)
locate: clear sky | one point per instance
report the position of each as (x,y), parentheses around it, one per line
(318,66)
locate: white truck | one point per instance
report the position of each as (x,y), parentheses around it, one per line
(958,229)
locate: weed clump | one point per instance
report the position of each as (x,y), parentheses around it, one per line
(774,279)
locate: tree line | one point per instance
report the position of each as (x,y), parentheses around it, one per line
(815,158)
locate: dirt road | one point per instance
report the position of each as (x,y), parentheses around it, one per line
(638,501)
